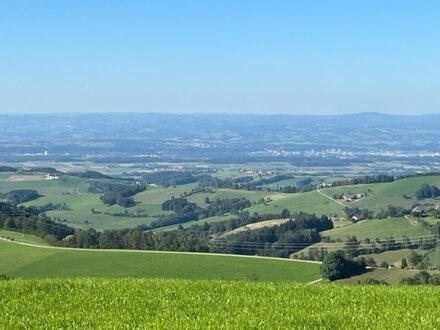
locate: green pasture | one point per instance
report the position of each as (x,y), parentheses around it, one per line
(380,195)
(81,216)
(379,228)
(27,261)
(91,303)
(311,202)
(65,184)
(392,257)
(73,192)
(20,237)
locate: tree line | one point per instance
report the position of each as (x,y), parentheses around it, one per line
(116,193)
(20,196)
(185,211)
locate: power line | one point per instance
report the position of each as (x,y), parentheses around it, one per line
(21,215)
(246,245)
(403,239)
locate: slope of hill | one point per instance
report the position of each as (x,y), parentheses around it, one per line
(32,261)
(377,197)
(380,229)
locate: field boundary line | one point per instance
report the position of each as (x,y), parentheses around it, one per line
(331,198)
(159,252)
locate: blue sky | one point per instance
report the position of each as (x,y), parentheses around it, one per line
(244,56)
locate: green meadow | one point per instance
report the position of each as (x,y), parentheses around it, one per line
(72,191)
(30,261)
(311,202)
(380,195)
(379,228)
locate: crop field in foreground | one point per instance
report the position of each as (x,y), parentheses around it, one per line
(174,304)
(26,261)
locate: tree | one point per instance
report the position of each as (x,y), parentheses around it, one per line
(384,264)
(435,279)
(370,262)
(285,213)
(423,277)
(414,259)
(336,266)
(404,264)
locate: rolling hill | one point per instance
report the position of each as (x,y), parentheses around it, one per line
(43,261)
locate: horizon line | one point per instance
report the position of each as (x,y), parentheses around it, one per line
(216,113)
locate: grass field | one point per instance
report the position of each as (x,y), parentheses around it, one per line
(182,304)
(383,194)
(27,261)
(312,202)
(73,192)
(20,237)
(381,228)
(393,257)
(378,197)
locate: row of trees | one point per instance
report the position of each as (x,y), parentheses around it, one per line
(186,211)
(248,183)
(427,191)
(381,178)
(422,277)
(170,178)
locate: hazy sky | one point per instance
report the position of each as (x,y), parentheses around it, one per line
(274,56)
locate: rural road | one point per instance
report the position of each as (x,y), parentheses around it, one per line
(328,197)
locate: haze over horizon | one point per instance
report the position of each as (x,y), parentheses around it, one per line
(226,56)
